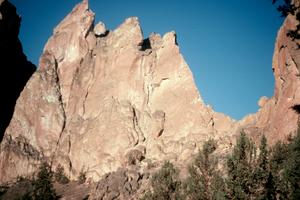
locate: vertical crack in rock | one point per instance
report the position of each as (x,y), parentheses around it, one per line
(89,84)
(70,165)
(137,129)
(148,74)
(84,101)
(160,116)
(294,61)
(162,125)
(148,94)
(62,109)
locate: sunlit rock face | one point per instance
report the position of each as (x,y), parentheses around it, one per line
(276,118)
(103,99)
(99,95)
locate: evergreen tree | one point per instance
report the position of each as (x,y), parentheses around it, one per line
(270,193)
(82,176)
(292,167)
(285,166)
(60,175)
(42,186)
(240,166)
(263,178)
(278,157)
(204,181)
(165,183)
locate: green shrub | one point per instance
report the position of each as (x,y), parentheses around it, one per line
(42,185)
(204,180)
(82,176)
(165,184)
(240,166)
(60,176)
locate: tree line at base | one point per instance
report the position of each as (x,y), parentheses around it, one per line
(249,173)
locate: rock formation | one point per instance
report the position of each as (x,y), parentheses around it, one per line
(276,118)
(104,99)
(121,184)
(98,95)
(15,70)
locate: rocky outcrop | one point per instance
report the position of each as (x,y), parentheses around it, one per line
(121,184)
(276,118)
(100,95)
(103,99)
(15,70)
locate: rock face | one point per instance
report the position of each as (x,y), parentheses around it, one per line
(104,99)
(121,184)
(276,118)
(100,29)
(15,70)
(97,97)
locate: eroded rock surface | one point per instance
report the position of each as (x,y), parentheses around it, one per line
(276,118)
(105,99)
(95,99)
(121,184)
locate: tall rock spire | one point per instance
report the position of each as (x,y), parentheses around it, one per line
(96,97)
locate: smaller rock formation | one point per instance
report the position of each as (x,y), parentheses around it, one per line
(124,184)
(262,101)
(276,118)
(100,29)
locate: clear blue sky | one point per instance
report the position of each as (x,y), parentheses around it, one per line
(228,44)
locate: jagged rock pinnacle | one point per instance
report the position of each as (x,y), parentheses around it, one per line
(100,95)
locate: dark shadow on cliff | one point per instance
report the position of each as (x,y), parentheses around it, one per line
(145,44)
(15,70)
(296,108)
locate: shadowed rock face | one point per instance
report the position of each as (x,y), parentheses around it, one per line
(15,70)
(104,99)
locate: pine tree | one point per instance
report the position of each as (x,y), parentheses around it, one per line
(204,181)
(60,175)
(165,183)
(240,164)
(292,167)
(263,177)
(278,157)
(42,186)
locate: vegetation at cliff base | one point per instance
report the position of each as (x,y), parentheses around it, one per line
(82,176)
(165,184)
(248,173)
(60,175)
(38,188)
(42,185)
(204,180)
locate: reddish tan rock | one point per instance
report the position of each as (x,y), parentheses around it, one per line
(102,101)
(276,118)
(262,101)
(94,100)
(100,29)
